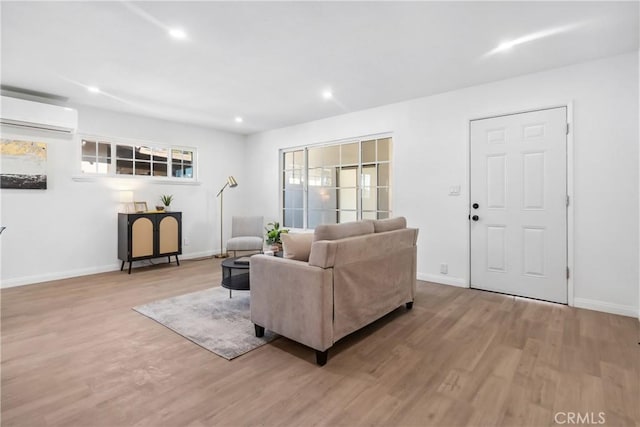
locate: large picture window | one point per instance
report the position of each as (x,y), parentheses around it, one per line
(334,183)
(137,160)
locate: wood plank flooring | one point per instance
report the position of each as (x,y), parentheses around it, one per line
(75,354)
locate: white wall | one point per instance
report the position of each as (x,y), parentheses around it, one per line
(431,154)
(70,229)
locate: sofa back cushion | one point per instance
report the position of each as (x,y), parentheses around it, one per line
(297,245)
(390,224)
(332,253)
(341,231)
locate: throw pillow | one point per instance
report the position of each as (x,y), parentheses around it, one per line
(296,245)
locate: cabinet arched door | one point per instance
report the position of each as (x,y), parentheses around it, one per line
(169,236)
(142,237)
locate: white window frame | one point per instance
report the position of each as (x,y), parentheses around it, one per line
(115,141)
(305,188)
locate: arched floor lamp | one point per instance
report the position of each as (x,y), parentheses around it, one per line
(231,183)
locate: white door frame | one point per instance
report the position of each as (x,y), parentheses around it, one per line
(570,170)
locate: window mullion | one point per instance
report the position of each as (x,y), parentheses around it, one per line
(146,167)
(359,183)
(305,190)
(312,193)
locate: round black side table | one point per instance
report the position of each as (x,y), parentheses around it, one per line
(235,275)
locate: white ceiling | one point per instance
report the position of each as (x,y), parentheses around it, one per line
(269,61)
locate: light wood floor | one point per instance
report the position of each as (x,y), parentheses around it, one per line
(75,354)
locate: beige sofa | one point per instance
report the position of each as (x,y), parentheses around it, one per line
(357,272)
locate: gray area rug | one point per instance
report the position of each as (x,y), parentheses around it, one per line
(210,319)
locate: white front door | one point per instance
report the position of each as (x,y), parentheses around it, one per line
(518,204)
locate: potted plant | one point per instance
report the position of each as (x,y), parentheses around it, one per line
(166,201)
(273,235)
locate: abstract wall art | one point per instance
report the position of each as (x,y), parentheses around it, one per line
(23,164)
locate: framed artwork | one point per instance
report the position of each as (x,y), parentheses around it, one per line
(127,208)
(23,164)
(140,207)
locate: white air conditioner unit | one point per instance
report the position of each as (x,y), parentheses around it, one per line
(36,115)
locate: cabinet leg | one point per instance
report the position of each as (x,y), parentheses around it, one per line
(122,266)
(169,259)
(177,261)
(130,262)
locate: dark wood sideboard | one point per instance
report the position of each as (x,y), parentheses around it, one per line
(149,235)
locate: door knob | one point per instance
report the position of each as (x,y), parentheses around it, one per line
(475,206)
(475,217)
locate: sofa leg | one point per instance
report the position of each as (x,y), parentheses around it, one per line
(409,305)
(259,331)
(321,357)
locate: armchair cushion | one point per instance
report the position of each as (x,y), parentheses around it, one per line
(246,243)
(246,233)
(247,226)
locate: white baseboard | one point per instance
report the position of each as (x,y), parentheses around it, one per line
(607,307)
(443,279)
(32,280)
(203,254)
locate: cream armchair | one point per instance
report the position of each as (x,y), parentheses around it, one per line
(246,234)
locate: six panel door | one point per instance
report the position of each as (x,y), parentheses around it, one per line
(518,204)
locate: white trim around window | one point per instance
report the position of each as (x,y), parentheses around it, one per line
(100,157)
(337,181)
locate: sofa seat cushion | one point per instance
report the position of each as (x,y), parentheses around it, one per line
(245,243)
(341,231)
(297,245)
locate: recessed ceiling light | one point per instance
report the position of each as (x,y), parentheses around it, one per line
(93,89)
(238,119)
(327,94)
(177,33)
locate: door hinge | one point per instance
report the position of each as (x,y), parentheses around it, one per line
(568,272)
(567,128)
(567,200)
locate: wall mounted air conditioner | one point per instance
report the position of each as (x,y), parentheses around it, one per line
(36,115)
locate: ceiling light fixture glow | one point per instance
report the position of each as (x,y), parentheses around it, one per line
(508,45)
(177,33)
(239,120)
(93,89)
(327,94)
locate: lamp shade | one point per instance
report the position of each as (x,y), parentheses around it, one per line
(126,196)
(232,182)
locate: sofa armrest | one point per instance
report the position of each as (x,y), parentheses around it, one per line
(293,299)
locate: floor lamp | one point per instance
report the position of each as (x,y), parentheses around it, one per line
(231,183)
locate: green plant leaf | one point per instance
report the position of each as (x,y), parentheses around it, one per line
(166,199)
